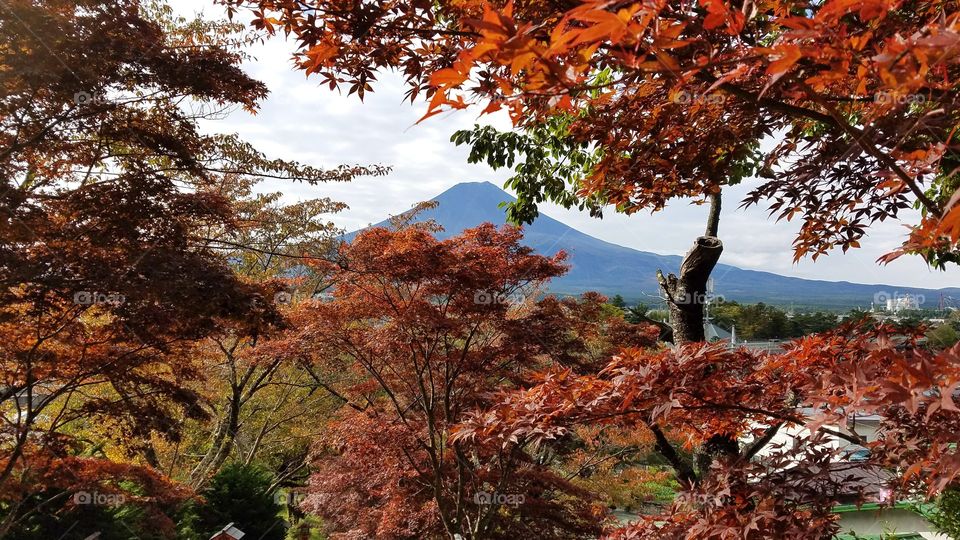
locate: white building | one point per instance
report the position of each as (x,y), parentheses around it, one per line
(904,302)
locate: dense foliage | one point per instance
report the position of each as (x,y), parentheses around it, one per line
(419,332)
(946,516)
(121,227)
(633,104)
(761,321)
(706,391)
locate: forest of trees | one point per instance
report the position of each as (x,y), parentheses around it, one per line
(752,321)
(183,348)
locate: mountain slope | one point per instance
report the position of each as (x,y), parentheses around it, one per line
(597,265)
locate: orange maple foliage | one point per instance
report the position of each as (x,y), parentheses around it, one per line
(819,383)
(418,332)
(107,284)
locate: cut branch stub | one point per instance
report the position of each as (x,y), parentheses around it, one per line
(687,293)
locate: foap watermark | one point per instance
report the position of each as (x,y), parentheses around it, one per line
(92,298)
(486,498)
(86,98)
(698,298)
(891,98)
(487,298)
(98,499)
(685,98)
(291,498)
(895,301)
(283,297)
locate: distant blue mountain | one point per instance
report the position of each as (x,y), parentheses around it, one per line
(597,265)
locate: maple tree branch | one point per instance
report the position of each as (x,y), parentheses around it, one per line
(860,136)
(247,247)
(428,31)
(287,474)
(683,469)
(761,441)
(831,118)
(772,104)
(596,460)
(17,145)
(331,390)
(713,218)
(855,439)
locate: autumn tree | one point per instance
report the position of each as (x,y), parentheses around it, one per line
(419,332)
(110,278)
(254,401)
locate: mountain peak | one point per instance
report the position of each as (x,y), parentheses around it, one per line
(478,191)
(469,204)
(597,265)
(483,184)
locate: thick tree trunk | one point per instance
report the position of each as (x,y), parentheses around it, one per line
(686,297)
(687,294)
(222,442)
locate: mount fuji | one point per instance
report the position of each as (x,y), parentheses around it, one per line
(597,265)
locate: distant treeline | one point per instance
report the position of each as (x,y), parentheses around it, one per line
(752,321)
(760,322)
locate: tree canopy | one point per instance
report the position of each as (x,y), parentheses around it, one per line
(110,199)
(673,99)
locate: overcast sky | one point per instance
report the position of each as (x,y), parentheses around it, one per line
(302,121)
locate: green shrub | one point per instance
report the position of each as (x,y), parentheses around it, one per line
(238,494)
(946,516)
